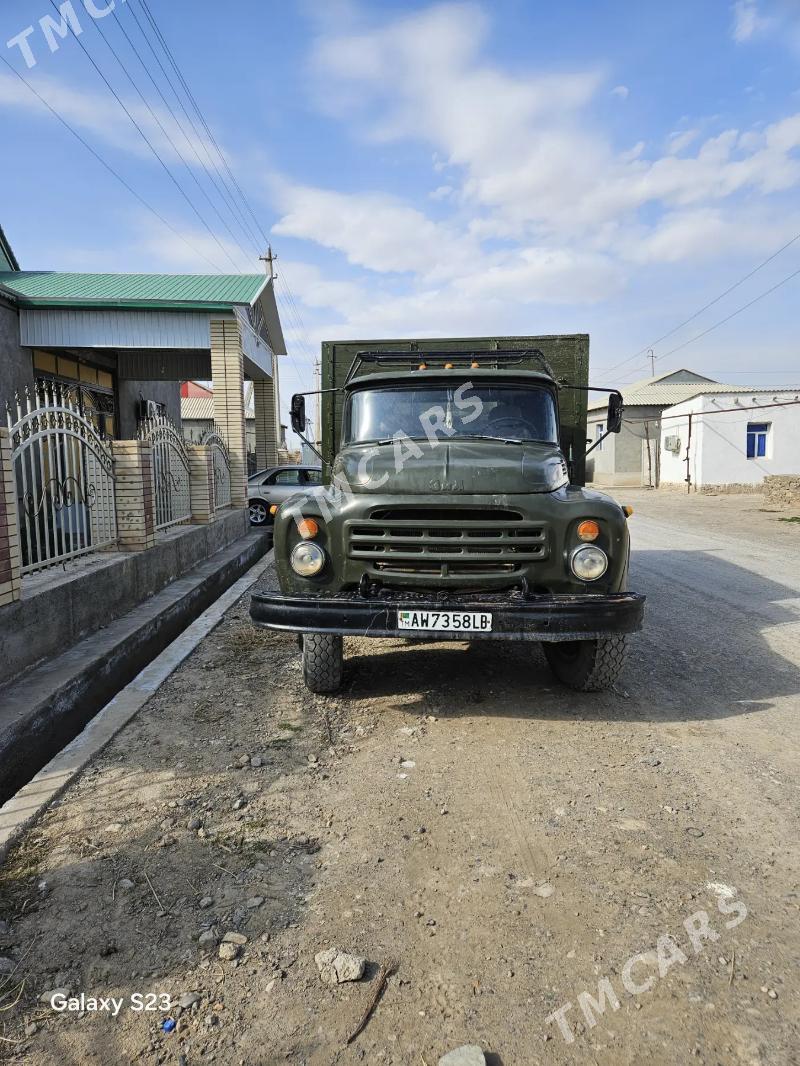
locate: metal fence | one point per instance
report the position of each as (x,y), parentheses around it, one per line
(173,502)
(64,477)
(221,464)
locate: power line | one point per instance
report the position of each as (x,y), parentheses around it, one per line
(222,186)
(145,138)
(750,373)
(705,307)
(173,62)
(733,314)
(289,304)
(108,166)
(175,119)
(175,148)
(719,411)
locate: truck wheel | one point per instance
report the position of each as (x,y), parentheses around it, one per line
(323,660)
(587,665)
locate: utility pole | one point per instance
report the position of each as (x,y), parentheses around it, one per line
(269,259)
(652,359)
(318,409)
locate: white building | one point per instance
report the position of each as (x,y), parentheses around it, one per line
(655,423)
(731,439)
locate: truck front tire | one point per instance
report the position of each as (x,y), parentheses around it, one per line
(587,665)
(323,661)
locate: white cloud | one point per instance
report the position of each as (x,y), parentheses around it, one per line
(524,147)
(544,275)
(680,140)
(541,220)
(622,91)
(747,22)
(100,115)
(704,234)
(320,291)
(781,24)
(144,244)
(441,192)
(374,230)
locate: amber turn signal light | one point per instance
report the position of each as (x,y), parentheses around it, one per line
(307,528)
(588,530)
(627,511)
(273,509)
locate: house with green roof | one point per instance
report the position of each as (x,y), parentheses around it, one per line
(8,260)
(121,344)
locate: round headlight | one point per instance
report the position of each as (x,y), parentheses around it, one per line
(589,562)
(307,559)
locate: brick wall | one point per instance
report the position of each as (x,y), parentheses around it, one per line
(10,555)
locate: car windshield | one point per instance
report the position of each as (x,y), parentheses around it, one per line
(468,410)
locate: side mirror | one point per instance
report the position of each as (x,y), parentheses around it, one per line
(298,413)
(614,419)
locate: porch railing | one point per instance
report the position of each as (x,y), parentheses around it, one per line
(173,502)
(64,479)
(221,465)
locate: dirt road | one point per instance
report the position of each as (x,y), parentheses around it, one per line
(511,844)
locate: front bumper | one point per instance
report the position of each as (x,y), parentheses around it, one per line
(551,618)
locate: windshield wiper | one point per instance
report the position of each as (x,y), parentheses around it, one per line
(484,436)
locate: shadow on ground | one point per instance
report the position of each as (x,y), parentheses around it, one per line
(704,653)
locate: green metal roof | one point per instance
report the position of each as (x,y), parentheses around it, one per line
(213,292)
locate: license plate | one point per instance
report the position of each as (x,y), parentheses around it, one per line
(448,621)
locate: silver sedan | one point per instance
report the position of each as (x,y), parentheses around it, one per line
(274,485)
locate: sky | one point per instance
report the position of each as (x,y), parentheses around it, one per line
(432,169)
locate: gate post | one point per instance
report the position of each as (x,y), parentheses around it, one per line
(10,554)
(135,492)
(227,373)
(201,482)
(267,429)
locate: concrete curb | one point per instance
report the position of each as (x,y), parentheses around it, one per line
(24,808)
(44,709)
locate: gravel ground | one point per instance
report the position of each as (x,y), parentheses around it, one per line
(512,845)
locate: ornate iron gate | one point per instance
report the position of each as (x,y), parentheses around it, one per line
(170,471)
(64,476)
(221,463)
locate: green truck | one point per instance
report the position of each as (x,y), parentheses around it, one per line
(454,508)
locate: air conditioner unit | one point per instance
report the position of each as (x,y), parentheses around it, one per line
(672,444)
(149,409)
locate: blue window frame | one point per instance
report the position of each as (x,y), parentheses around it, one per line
(599,430)
(757,434)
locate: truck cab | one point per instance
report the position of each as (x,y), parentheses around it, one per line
(454,510)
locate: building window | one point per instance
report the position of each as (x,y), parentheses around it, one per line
(598,433)
(87,386)
(757,439)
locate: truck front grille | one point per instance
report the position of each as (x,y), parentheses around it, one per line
(446,542)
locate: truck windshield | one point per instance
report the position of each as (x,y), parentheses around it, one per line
(469,410)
